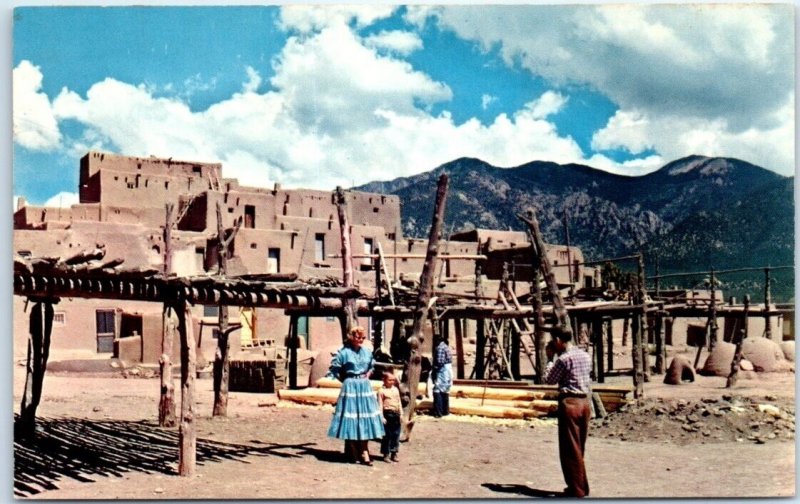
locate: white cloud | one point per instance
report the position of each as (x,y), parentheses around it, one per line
(332,83)
(676,136)
(399,42)
(308,18)
(35,127)
(713,66)
(548,104)
(62,200)
(341,112)
(253,80)
(487,100)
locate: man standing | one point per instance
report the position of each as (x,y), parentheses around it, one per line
(570,370)
(442,376)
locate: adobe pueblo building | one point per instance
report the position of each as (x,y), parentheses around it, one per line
(292,234)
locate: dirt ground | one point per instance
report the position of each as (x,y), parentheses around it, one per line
(98,438)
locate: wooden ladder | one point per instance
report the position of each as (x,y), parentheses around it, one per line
(505,294)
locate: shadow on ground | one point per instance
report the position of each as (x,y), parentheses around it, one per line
(521,490)
(83,449)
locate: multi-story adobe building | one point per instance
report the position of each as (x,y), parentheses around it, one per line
(121,208)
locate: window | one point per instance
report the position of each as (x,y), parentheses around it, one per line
(59,318)
(106,332)
(366,263)
(210,311)
(24,253)
(274,260)
(199,259)
(249,216)
(319,247)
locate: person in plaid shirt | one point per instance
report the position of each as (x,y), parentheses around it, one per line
(442,375)
(570,371)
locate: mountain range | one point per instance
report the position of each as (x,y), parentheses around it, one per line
(692,214)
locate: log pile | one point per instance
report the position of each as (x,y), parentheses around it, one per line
(252,375)
(492,401)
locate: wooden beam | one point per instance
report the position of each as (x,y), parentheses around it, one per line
(347,259)
(411,378)
(738,338)
(40,330)
(166,404)
(187,434)
(221,366)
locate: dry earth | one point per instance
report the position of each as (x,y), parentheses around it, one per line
(98,439)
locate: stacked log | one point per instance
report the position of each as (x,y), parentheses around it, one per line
(492,401)
(252,375)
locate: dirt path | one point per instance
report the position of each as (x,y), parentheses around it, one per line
(99,440)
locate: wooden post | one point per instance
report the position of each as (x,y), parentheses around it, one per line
(540,357)
(187,434)
(166,404)
(347,260)
(643,320)
(411,379)
(625,328)
(658,330)
(636,355)
(767,303)
(539,249)
(740,336)
(40,330)
(513,341)
(459,325)
(293,320)
(480,348)
(608,323)
(221,360)
(166,407)
(712,313)
(569,254)
(597,336)
(513,354)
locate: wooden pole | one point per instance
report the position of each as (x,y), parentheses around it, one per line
(411,379)
(293,351)
(608,325)
(540,357)
(644,327)
(377,324)
(625,328)
(41,327)
(636,355)
(712,313)
(347,260)
(221,354)
(166,404)
(767,303)
(597,336)
(740,337)
(459,325)
(187,434)
(540,250)
(166,407)
(660,347)
(480,349)
(569,254)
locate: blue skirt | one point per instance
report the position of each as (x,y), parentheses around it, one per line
(356,415)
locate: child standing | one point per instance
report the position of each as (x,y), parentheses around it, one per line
(389,399)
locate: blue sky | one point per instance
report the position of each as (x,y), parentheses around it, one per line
(319,96)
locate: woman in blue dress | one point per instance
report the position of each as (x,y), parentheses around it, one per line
(357,418)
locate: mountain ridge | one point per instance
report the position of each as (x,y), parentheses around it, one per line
(690,212)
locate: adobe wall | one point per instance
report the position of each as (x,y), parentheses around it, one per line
(108,177)
(78,331)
